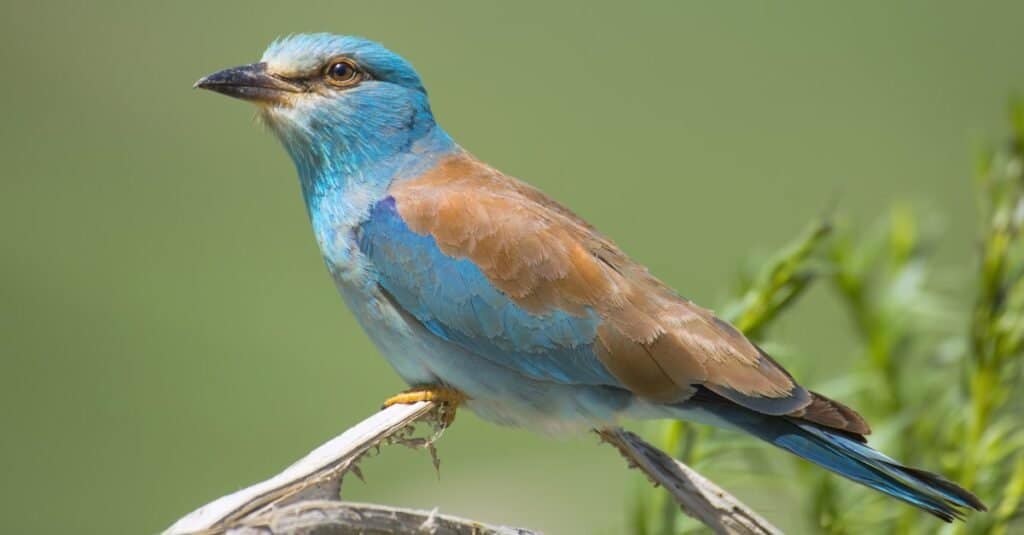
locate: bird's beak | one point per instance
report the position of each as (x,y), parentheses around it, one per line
(250,82)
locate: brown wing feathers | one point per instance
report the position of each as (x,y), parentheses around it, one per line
(824,411)
(544,257)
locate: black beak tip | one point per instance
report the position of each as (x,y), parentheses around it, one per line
(236,76)
(249,82)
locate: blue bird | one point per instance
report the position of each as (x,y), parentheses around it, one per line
(480,290)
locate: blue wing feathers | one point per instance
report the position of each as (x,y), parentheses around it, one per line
(454,300)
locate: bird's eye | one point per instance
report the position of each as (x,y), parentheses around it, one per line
(342,72)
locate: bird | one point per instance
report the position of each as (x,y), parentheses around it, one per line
(482,292)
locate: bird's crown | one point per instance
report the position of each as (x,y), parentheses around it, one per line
(312,55)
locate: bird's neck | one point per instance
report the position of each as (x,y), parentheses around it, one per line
(342,156)
(346,163)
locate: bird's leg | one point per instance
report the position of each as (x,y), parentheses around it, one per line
(449,398)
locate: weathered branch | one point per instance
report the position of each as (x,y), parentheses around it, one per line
(305,497)
(695,494)
(315,476)
(328,517)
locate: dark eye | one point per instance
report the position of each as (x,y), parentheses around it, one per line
(342,72)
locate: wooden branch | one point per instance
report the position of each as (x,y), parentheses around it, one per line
(305,497)
(315,475)
(326,517)
(695,494)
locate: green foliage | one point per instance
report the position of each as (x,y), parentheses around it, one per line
(935,376)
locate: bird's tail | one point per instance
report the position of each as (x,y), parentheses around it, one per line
(847,455)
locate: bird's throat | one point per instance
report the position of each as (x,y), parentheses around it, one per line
(335,154)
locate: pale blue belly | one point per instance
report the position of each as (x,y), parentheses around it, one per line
(496,393)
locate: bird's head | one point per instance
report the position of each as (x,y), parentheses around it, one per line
(336,102)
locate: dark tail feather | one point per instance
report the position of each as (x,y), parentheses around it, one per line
(851,459)
(846,455)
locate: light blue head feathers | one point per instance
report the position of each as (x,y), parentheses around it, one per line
(355,133)
(306,53)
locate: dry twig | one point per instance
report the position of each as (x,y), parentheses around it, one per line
(305,497)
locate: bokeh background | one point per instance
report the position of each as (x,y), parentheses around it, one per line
(168,332)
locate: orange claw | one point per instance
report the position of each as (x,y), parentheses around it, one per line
(450,398)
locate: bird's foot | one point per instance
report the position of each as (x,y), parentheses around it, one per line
(449,398)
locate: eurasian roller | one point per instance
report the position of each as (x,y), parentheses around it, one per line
(481,291)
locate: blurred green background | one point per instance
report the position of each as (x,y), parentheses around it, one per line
(168,332)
